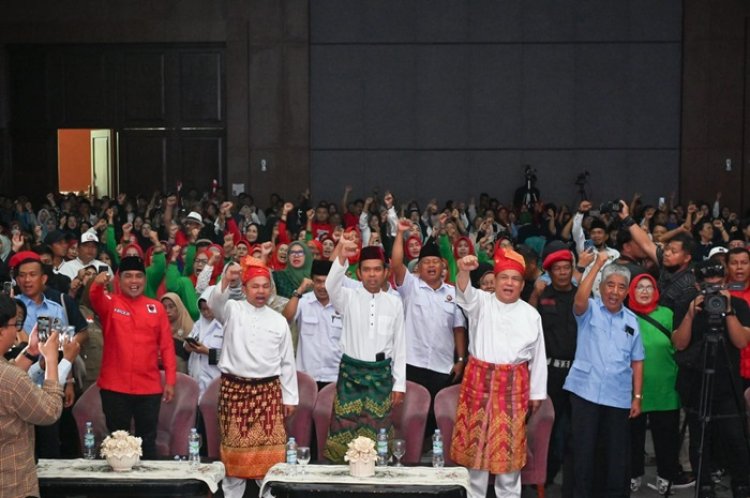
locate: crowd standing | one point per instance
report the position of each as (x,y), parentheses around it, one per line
(601,310)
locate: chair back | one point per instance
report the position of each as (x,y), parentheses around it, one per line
(538,433)
(409,419)
(88,408)
(300,425)
(446,404)
(209,412)
(175,418)
(322,413)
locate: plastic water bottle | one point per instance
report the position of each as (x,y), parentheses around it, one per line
(194,447)
(291,451)
(89,442)
(382,447)
(437,449)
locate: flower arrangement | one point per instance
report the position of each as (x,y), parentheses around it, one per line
(120,444)
(361,449)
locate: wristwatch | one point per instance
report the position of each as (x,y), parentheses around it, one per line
(296,294)
(461,359)
(638,396)
(31,357)
(580,269)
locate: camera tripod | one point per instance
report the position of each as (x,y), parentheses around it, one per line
(713,341)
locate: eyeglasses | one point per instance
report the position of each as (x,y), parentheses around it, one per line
(296,253)
(644,288)
(16,325)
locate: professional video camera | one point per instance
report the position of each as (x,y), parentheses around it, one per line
(610,207)
(714,303)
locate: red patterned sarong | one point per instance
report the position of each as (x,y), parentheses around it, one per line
(490,429)
(251,424)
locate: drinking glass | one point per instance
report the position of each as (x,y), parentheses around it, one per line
(303,457)
(398,447)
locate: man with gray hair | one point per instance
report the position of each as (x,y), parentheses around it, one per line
(605,381)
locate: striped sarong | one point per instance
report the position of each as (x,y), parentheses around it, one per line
(490,429)
(251,424)
(362,405)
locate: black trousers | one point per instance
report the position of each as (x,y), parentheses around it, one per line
(434,382)
(119,409)
(560,446)
(594,424)
(665,431)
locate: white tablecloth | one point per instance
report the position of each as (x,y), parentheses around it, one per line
(210,473)
(408,476)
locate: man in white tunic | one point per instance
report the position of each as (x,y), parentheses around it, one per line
(258,377)
(505,378)
(372,374)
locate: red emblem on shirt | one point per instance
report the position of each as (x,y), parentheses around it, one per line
(151,308)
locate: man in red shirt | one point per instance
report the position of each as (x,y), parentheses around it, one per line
(738,281)
(136,333)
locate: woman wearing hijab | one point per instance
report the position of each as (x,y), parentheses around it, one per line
(298,265)
(208,334)
(660,403)
(181,325)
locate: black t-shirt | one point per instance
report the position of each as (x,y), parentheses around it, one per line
(676,289)
(727,363)
(558,322)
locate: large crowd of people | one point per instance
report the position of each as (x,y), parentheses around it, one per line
(628,317)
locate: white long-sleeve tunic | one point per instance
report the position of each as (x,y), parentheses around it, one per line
(506,334)
(373,323)
(257,343)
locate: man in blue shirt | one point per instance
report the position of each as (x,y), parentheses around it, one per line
(605,380)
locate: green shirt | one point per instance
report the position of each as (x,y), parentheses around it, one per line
(659,367)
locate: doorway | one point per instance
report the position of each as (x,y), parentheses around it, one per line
(85,161)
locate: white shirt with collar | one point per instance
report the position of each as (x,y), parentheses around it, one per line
(71,268)
(319,345)
(257,343)
(506,334)
(373,323)
(431,316)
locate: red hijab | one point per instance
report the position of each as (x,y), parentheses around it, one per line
(274,263)
(455,246)
(354,259)
(635,305)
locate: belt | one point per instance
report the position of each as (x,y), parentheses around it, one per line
(559,363)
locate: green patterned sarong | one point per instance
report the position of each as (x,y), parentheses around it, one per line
(362,405)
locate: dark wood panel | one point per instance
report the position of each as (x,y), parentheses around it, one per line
(142,88)
(86,88)
(143,162)
(28,102)
(202,160)
(34,158)
(201,87)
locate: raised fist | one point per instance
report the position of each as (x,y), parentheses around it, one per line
(288,206)
(468,263)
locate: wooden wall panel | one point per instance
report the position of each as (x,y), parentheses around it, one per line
(201,159)
(143,162)
(201,88)
(142,88)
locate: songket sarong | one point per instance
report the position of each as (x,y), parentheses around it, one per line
(490,429)
(251,422)
(362,405)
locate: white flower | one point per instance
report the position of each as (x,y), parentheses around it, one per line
(121,444)
(361,449)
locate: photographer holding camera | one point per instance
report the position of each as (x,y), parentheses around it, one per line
(715,329)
